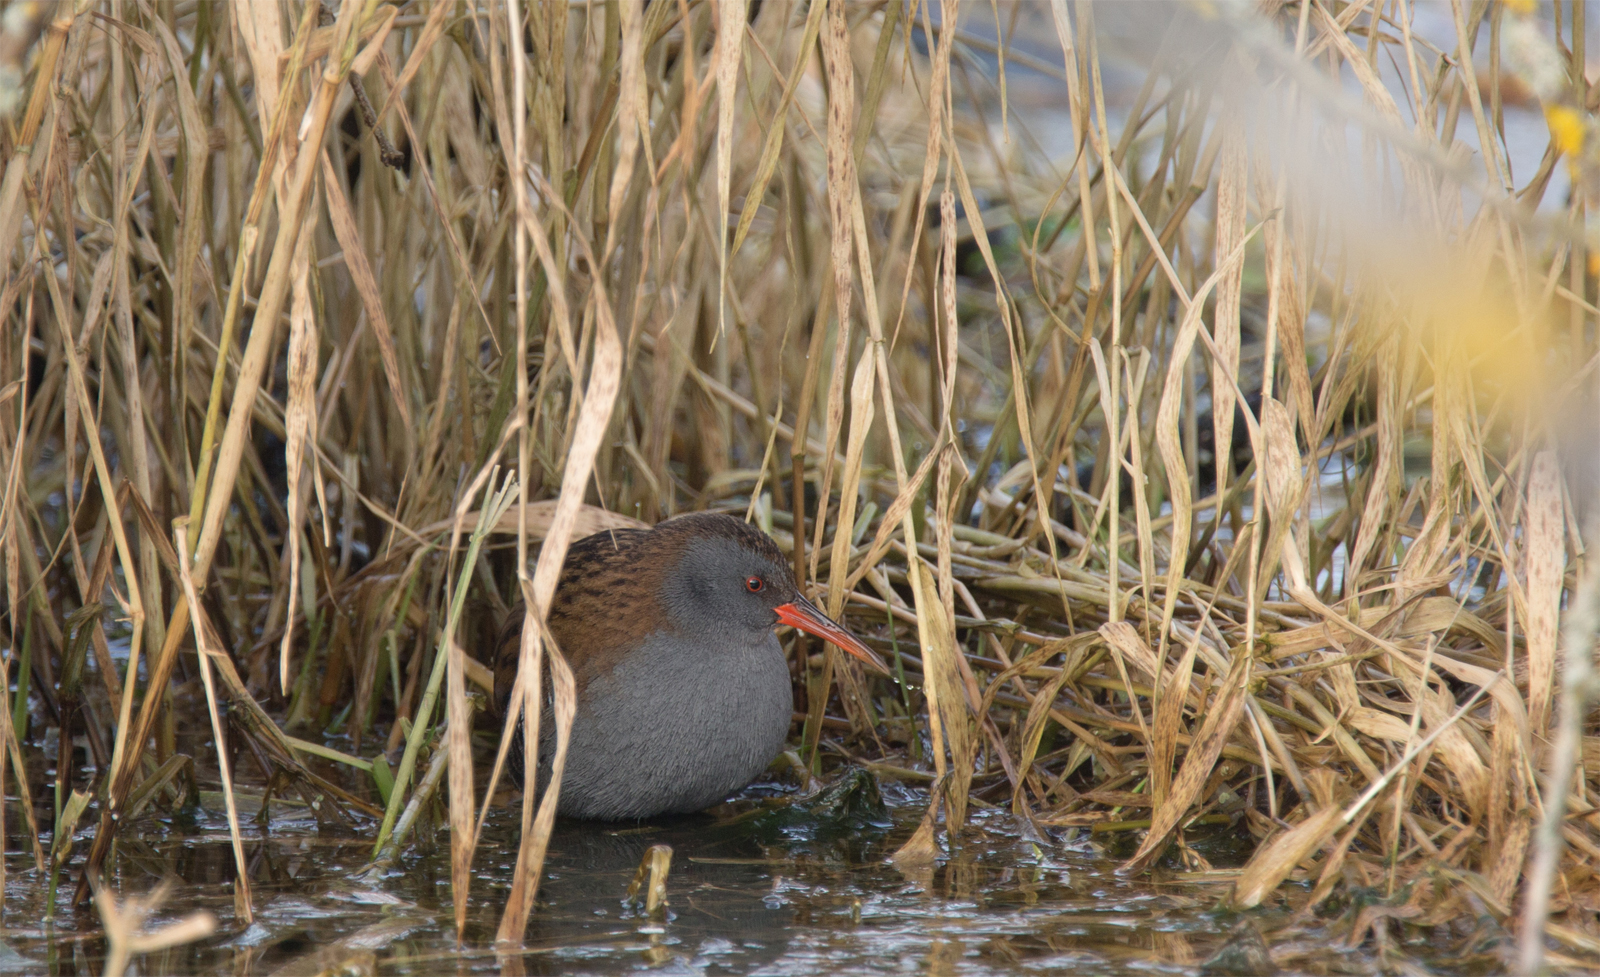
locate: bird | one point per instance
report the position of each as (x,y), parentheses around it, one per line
(683,693)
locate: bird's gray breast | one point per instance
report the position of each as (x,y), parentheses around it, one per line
(676,726)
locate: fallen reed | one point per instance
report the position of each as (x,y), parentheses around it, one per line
(1188,400)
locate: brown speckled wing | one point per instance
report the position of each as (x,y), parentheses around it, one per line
(605,605)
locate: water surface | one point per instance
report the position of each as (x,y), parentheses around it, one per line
(806,888)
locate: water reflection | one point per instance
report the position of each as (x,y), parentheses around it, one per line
(756,886)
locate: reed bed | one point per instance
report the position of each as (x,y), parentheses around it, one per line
(1194,418)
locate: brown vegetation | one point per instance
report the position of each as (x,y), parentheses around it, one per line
(273,339)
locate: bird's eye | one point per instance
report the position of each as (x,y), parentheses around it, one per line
(755,585)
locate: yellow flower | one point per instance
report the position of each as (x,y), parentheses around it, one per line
(1520,7)
(1566,126)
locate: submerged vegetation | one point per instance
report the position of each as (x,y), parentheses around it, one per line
(1192,413)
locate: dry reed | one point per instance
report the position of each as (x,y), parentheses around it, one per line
(811,262)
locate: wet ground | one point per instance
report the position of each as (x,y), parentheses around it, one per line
(804,888)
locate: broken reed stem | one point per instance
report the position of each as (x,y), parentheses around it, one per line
(124,927)
(651,877)
(426,788)
(463,839)
(180,530)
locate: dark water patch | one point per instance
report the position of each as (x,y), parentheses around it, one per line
(778,882)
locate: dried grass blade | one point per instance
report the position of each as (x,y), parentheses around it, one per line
(862,414)
(633,113)
(731,20)
(917,855)
(775,129)
(13,203)
(1232,200)
(300,420)
(355,259)
(1166,431)
(1171,694)
(949,716)
(1202,756)
(900,509)
(1284,486)
(1546,556)
(180,528)
(878,77)
(1273,862)
(1033,731)
(1126,643)
(841,199)
(432,30)
(892,517)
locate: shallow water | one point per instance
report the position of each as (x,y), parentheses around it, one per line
(756,886)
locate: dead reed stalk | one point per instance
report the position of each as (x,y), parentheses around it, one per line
(928,286)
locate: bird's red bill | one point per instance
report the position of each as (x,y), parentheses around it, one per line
(801,613)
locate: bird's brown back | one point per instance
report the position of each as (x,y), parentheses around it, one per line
(604,606)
